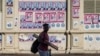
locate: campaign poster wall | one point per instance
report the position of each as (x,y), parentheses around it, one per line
(34,14)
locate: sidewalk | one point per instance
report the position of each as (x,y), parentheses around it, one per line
(52,55)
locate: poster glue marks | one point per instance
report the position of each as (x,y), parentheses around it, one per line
(91,42)
(75,41)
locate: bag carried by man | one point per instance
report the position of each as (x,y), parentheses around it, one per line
(34,47)
(35,44)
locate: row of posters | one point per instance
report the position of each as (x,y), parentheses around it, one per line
(92,41)
(33,6)
(43,17)
(35,19)
(92,21)
(9,8)
(31,25)
(91,18)
(75,8)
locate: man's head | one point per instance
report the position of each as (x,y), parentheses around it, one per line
(46,27)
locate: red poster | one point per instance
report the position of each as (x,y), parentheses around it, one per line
(99,18)
(95,18)
(52,16)
(38,17)
(75,12)
(46,17)
(29,16)
(87,18)
(60,17)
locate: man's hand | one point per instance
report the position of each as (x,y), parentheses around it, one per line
(53,46)
(35,35)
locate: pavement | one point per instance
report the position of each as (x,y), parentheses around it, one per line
(52,55)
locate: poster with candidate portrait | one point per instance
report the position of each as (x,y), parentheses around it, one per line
(87,19)
(9,2)
(9,11)
(75,3)
(75,12)
(95,18)
(38,17)
(60,17)
(53,17)
(28,16)
(46,17)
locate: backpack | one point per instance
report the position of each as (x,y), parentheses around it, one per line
(34,47)
(35,44)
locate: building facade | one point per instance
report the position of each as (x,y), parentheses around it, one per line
(19,19)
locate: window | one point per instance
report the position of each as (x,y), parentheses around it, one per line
(91,6)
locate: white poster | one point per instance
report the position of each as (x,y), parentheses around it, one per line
(9,39)
(9,24)
(97,42)
(89,42)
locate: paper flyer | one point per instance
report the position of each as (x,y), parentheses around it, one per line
(9,11)
(53,17)
(87,19)
(76,3)
(46,17)
(9,2)
(38,17)
(75,12)
(95,19)
(29,16)
(60,17)
(9,39)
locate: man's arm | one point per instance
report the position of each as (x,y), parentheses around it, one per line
(47,42)
(52,45)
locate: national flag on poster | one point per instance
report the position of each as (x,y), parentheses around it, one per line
(38,17)
(29,16)
(60,17)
